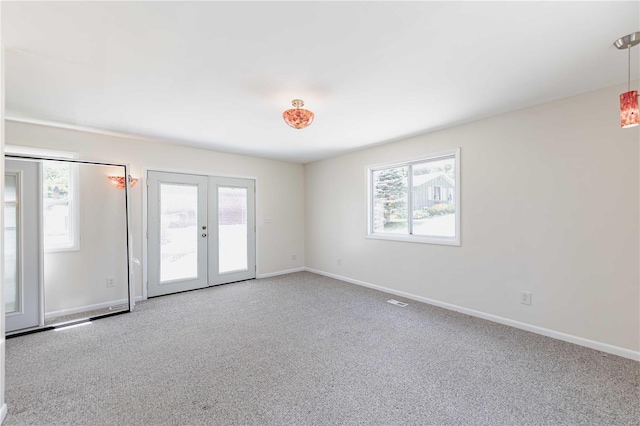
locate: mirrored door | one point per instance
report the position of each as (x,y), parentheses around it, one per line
(66,236)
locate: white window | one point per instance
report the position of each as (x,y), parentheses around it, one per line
(60,206)
(417,200)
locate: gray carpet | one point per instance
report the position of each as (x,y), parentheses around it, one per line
(303,349)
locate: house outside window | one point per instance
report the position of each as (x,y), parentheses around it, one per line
(416,200)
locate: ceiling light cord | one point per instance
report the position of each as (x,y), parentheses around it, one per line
(629,68)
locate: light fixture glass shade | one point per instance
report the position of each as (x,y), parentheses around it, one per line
(298,118)
(629,109)
(119,181)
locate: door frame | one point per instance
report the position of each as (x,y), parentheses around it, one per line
(145,226)
(129,240)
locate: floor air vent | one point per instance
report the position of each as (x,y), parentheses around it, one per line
(397,303)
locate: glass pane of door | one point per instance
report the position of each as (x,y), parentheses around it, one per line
(178,232)
(232,229)
(11,282)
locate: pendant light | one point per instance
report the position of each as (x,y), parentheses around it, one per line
(298,118)
(629,99)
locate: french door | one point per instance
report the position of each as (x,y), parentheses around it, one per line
(22,241)
(201,231)
(232,242)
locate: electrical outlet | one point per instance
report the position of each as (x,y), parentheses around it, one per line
(339,262)
(525,297)
(294,257)
(111,282)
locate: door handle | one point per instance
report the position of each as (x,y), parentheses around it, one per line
(204,235)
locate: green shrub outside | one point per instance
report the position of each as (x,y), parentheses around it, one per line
(435,210)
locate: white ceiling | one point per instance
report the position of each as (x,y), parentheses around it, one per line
(218,75)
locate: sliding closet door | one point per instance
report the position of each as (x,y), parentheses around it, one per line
(177,236)
(232,253)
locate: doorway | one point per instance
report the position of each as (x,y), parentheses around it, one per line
(201,231)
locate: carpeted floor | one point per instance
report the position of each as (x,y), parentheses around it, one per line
(303,349)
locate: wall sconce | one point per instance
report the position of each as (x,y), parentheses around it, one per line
(629,99)
(118,181)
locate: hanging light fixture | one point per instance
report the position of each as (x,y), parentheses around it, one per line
(298,118)
(629,99)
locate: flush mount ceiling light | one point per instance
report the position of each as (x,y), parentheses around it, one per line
(298,118)
(629,99)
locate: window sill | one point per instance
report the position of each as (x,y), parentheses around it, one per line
(444,241)
(61,249)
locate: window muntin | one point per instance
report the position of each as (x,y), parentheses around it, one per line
(432,201)
(60,206)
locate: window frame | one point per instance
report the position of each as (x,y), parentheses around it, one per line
(424,239)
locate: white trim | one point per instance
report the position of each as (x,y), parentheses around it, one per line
(3,409)
(40,247)
(145,188)
(84,129)
(285,272)
(604,347)
(130,264)
(422,239)
(418,159)
(192,172)
(79,309)
(38,152)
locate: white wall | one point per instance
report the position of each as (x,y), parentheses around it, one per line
(549,205)
(77,278)
(279,185)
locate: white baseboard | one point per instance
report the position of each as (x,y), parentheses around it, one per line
(77,310)
(287,271)
(604,347)
(3,413)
